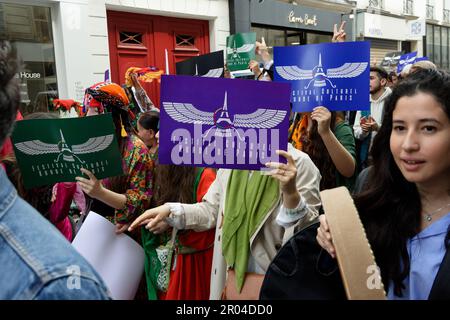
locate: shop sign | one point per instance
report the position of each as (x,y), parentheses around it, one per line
(305,20)
(28,75)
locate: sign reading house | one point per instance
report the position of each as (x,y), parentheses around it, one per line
(206,65)
(54,150)
(222,123)
(334,75)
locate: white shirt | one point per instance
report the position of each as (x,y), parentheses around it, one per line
(376,111)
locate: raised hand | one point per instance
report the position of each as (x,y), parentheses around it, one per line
(285,173)
(339,35)
(323,117)
(262,50)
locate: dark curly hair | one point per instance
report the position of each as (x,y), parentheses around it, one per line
(390,208)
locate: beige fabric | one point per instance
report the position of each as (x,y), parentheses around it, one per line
(269,236)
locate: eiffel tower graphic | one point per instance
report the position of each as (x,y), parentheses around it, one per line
(320,78)
(235,53)
(65,151)
(224,116)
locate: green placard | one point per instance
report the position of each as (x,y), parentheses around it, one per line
(240,50)
(54,150)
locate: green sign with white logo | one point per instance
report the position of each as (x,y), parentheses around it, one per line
(240,50)
(54,150)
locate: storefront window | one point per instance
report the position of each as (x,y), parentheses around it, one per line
(444,48)
(29,28)
(429,51)
(318,38)
(437,45)
(273,37)
(291,37)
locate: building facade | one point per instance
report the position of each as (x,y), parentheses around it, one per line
(284,23)
(437,39)
(407,25)
(68,45)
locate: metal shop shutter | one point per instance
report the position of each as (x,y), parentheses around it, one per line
(379,48)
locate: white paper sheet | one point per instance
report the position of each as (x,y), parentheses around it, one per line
(117,258)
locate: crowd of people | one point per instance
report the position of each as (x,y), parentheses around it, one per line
(228,225)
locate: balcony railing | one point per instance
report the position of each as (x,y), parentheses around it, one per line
(430,11)
(447,15)
(378,4)
(408,7)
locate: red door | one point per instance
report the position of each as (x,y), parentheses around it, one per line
(137,40)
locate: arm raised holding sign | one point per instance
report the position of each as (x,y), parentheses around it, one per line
(343,160)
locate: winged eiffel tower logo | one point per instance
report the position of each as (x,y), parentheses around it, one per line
(66,152)
(212,73)
(244,48)
(318,76)
(222,123)
(408,60)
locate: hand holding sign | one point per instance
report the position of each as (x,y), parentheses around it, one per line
(92,186)
(323,117)
(254,67)
(284,173)
(121,227)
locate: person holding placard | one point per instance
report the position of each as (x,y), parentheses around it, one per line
(37,262)
(120,199)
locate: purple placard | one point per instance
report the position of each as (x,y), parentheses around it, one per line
(222,123)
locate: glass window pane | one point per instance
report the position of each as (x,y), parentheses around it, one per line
(272,37)
(437,46)
(444,48)
(29,28)
(430,42)
(317,38)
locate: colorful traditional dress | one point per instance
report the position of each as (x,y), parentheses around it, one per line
(139,171)
(191,278)
(192,263)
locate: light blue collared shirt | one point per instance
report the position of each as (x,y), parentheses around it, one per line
(426,251)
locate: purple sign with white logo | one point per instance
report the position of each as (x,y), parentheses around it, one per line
(333,75)
(222,123)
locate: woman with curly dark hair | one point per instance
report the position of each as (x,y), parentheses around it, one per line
(406,208)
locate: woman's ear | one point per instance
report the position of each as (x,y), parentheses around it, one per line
(152,133)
